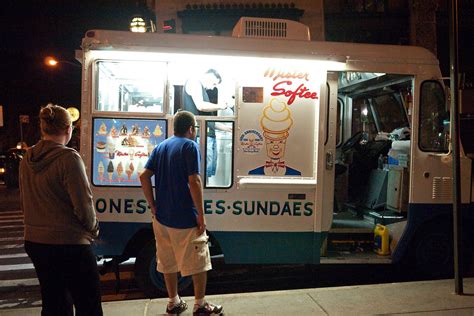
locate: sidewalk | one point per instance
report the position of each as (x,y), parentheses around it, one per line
(411,298)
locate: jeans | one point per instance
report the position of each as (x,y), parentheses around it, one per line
(68,276)
(211,158)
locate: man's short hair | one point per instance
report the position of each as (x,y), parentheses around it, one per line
(215,73)
(183,120)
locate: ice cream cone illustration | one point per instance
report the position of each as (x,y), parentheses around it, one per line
(132,142)
(150,148)
(130,169)
(120,171)
(276,122)
(102,129)
(157,132)
(110,170)
(140,168)
(125,142)
(135,130)
(111,150)
(123,130)
(101,170)
(113,131)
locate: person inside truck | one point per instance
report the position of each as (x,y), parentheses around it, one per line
(197,100)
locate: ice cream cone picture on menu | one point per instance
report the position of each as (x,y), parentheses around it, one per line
(150,148)
(110,170)
(111,150)
(101,170)
(123,130)
(276,122)
(102,129)
(140,168)
(120,172)
(114,132)
(157,132)
(129,170)
(135,130)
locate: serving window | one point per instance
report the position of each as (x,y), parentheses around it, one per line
(218,154)
(121,148)
(131,86)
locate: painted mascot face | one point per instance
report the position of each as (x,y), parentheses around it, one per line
(275,148)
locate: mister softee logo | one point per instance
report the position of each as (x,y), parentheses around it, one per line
(286,88)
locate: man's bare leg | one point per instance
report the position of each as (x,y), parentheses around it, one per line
(199,284)
(200,305)
(171,280)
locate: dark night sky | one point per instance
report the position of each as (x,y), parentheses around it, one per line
(34,29)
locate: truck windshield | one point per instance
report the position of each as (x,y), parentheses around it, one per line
(389,112)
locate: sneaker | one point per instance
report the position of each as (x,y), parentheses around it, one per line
(177,308)
(207,309)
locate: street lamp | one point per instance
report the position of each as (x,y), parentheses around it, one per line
(53,62)
(74,112)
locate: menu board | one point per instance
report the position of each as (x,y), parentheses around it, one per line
(121,148)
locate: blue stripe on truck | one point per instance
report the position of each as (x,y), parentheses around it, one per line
(269,247)
(238,247)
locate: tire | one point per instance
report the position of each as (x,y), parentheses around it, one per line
(434,251)
(150,281)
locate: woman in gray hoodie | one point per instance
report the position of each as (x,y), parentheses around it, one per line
(60,220)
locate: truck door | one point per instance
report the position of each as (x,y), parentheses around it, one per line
(327,162)
(276,141)
(431,165)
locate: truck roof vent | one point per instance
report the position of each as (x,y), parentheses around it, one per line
(271,28)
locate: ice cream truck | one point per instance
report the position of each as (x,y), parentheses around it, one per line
(318,142)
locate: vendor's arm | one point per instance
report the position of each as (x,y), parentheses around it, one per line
(224,127)
(194,89)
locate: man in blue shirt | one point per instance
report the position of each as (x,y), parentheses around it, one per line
(178,214)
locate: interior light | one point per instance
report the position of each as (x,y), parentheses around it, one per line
(138,25)
(325,65)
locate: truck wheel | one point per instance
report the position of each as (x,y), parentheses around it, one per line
(150,281)
(434,251)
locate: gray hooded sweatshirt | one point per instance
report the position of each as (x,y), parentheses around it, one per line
(56,197)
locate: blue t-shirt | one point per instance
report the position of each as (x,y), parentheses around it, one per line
(172,162)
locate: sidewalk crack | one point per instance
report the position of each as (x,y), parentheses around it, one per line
(320,306)
(145,311)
